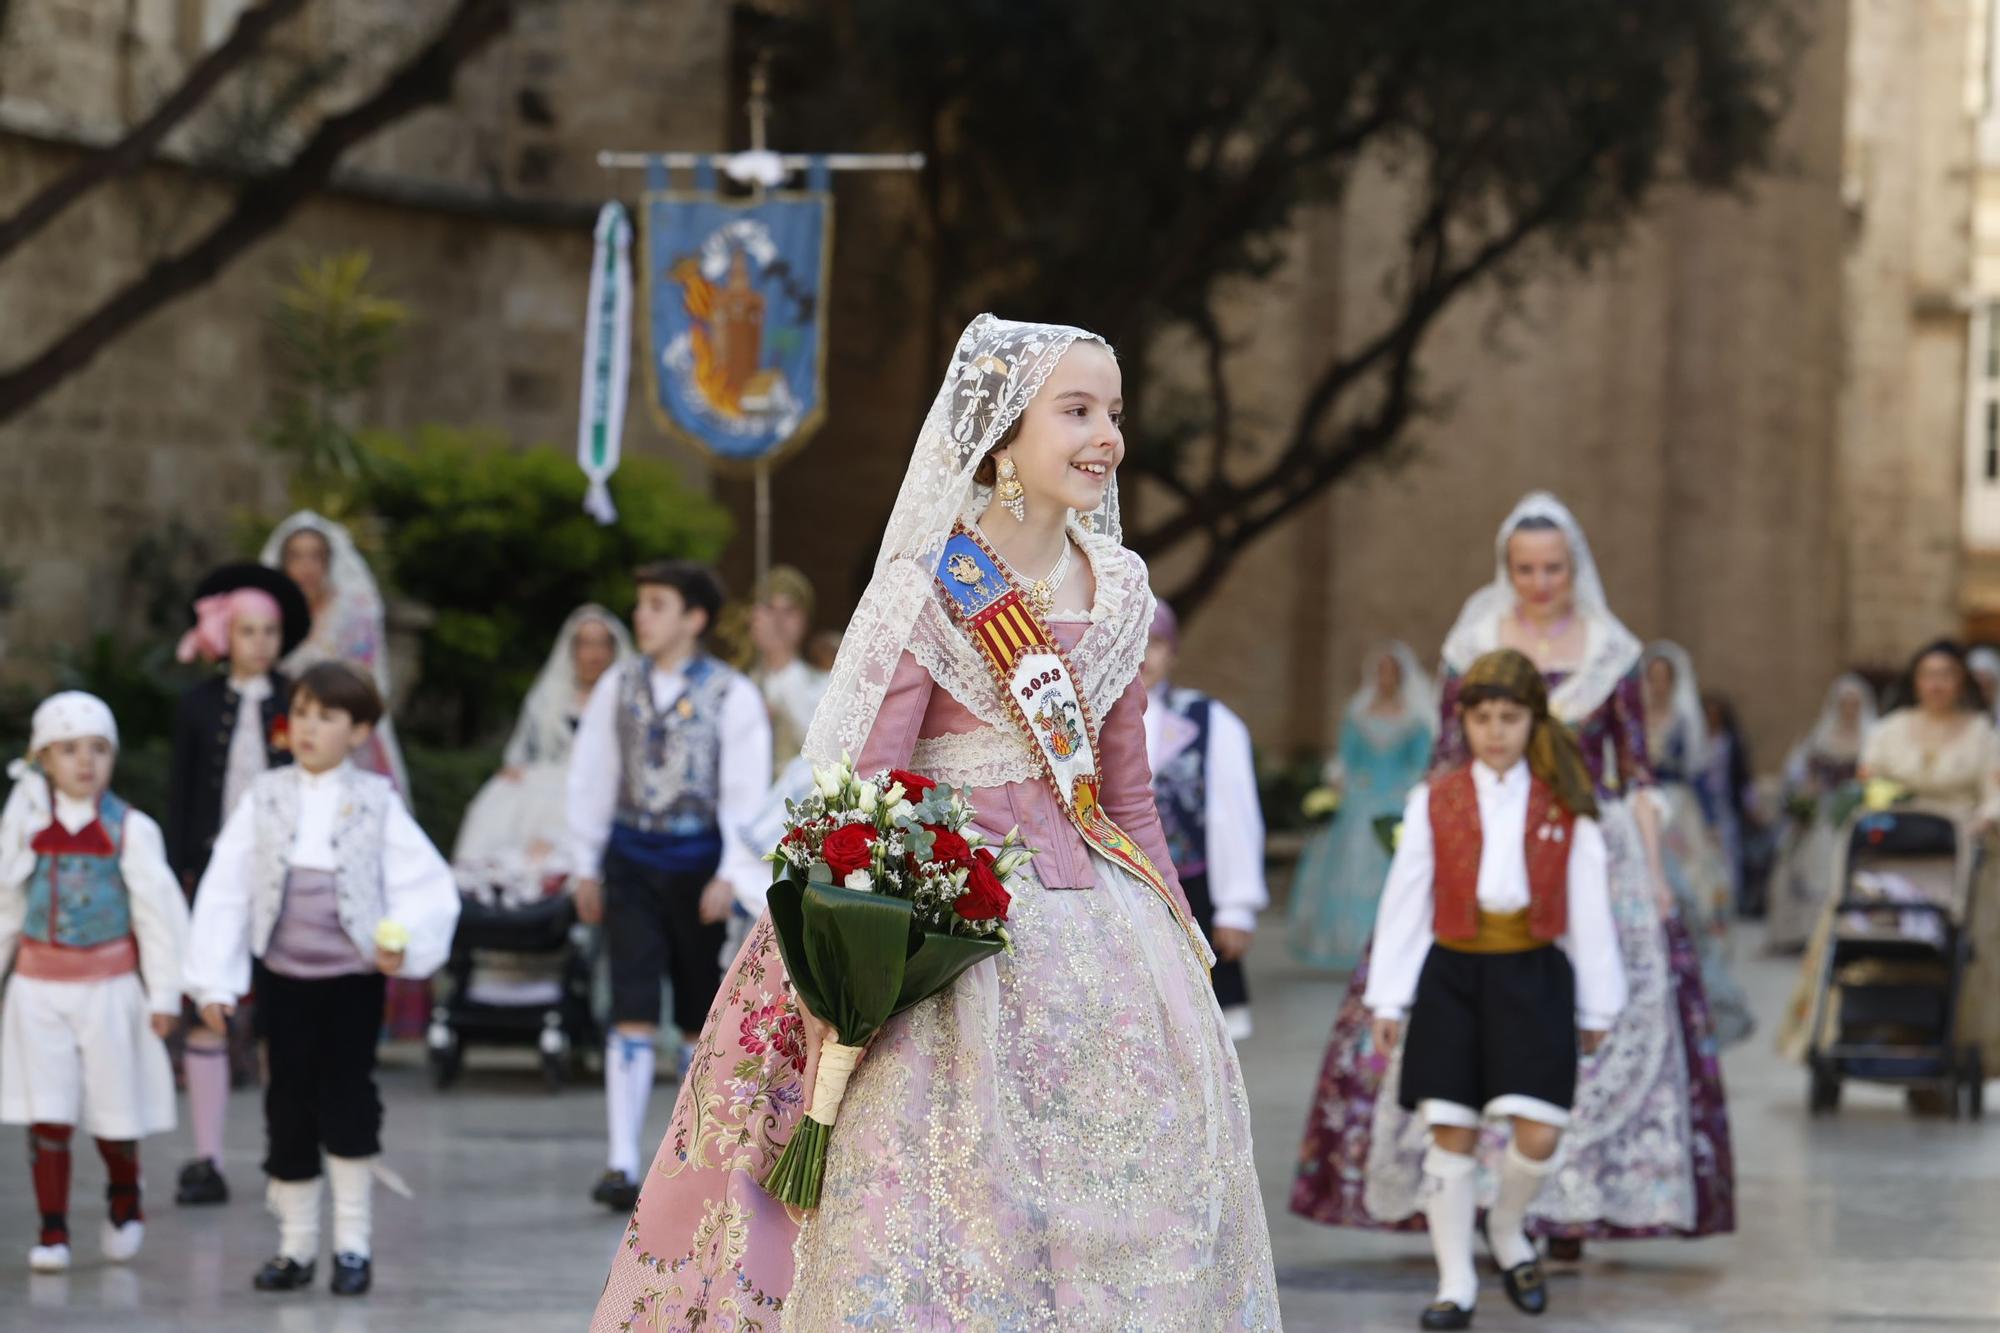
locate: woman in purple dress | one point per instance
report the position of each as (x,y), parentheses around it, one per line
(1648,1147)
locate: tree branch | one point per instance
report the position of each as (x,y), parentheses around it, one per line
(263,205)
(132,151)
(1307,464)
(1210,329)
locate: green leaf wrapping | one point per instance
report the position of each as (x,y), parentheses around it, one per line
(854,960)
(844,951)
(936,961)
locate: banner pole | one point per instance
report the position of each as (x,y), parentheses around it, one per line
(763,506)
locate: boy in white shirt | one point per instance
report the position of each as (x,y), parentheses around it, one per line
(671,764)
(1495,940)
(321,873)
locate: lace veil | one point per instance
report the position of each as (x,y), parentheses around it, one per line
(543,733)
(1610,650)
(1688,714)
(996,370)
(1416,699)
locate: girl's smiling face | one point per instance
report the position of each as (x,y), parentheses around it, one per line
(1071,437)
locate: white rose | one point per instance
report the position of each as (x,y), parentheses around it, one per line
(1010,861)
(829,780)
(866,799)
(859,880)
(894,795)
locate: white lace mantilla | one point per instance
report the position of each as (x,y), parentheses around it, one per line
(996,370)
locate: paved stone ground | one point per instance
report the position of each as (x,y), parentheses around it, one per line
(1870,1221)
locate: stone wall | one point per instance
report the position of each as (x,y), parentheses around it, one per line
(477,215)
(1909,165)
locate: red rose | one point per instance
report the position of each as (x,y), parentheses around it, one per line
(985,898)
(849,848)
(915,785)
(280,737)
(948,848)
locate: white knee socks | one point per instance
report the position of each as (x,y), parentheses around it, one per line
(1521,1179)
(628,1084)
(1452,1203)
(353,1203)
(295,1203)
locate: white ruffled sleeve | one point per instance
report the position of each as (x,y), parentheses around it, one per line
(1403,919)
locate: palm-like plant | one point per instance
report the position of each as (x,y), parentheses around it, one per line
(333,333)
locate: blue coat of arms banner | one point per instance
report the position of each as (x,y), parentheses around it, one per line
(735,303)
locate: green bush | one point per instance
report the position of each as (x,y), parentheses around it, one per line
(495,541)
(1282,788)
(443,783)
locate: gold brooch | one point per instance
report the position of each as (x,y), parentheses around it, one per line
(963,568)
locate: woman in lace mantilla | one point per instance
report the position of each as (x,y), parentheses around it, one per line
(1062,1139)
(1648,1151)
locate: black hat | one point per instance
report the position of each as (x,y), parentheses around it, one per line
(295,616)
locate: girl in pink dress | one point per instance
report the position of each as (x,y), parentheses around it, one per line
(1062,1138)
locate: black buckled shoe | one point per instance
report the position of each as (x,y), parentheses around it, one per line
(282,1274)
(1443,1314)
(352,1275)
(616,1191)
(201,1183)
(1527,1285)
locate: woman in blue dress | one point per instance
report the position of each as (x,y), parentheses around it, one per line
(1385,746)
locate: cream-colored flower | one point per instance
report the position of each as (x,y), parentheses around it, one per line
(1320,802)
(1880,794)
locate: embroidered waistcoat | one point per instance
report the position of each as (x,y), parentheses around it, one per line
(359,829)
(1180,788)
(76,892)
(1458,841)
(671,762)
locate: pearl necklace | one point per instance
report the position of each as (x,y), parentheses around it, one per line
(1042,591)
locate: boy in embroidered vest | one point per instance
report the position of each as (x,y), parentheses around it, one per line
(88,910)
(1205,784)
(227,729)
(672,760)
(1495,938)
(321,873)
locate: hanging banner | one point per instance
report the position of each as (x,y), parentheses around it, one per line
(734,301)
(607,360)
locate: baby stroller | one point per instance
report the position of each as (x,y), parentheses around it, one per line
(1885,1008)
(520,977)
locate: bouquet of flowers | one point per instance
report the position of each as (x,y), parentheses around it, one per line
(882,894)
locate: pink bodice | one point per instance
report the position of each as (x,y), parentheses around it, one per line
(915,708)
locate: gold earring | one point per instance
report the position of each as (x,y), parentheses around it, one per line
(1010,493)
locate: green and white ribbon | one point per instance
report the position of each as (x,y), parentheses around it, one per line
(607,359)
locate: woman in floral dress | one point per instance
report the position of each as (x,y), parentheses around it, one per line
(1647,1153)
(1061,1140)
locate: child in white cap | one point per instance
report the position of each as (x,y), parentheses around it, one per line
(95,926)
